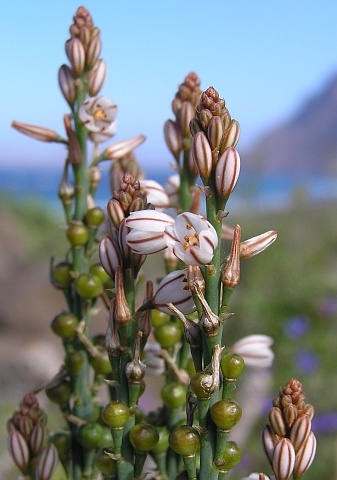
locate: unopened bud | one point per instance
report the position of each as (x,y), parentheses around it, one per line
(97,77)
(47,463)
(67,84)
(109,255)
(290,414)
(76,54)
(215,132)
(37,438)
(256,245)
(18,449)
(227,172)
(300,431)
(305,456)
(277,422)
(283,459)
(173,138)
(121,149)
(202,155)
(93,52)
(185,115)
(38,133)
(122,312)
(231,136)
(115,212)
(75,152)
(269,440)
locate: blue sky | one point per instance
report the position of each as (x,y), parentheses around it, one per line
(264,57)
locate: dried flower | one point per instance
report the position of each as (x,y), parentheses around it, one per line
(98,115)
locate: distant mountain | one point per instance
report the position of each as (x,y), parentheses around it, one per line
(307,143)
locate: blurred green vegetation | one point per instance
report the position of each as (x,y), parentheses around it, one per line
(294,282)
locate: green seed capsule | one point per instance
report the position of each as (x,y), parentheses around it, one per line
(94,217)
(64,325)
(174,395)
(158,318)
(198,387)
(167,334)
(98,270)
(232,366)
(232,455)
(162,444)
(88,285)
(60,394)
(77,234)
(115,414)
(90,435)
(143,437)
(226,414)
(61,275)
(62,442)
(184,440)
(106,464)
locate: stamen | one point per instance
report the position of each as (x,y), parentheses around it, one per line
(100,114)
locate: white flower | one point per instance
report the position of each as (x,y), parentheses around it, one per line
(190,237)
(172,188)
(155,364)
(98,115)
(173,289)
(255,350)
(155,194)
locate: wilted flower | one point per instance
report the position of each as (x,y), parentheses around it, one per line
(98,115)
(255,350)
(155,194)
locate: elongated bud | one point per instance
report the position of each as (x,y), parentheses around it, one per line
(121,149)
(97,77)
(110,256)
(283,459)
(75,152)
(300,431)
(269,440)
(231,136)
(173,138)
(37,438)
(215,132)
(277,422)
(257,244)
(227,172)
(93,52)
(47,463)
(67,84)
(231,276)
(115,212)
(184,116)
(38,133)
(305,456)
(290,414)
(202,155)
(18,449)
(76,54)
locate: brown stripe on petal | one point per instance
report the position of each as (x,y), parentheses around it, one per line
(145,240)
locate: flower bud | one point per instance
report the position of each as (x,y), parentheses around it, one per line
(227,172)
(305,456)
(47,463)
(256,245)
(97,77)
(283,459)
(76,54)
(18,449)
(122,312)
(202,155)
(231,136)
(67,84)
(121,149)
(290,414)
(109,256)
(269,440)
(38,133)
(173,138)
(184,116)
(300,431)
(255,350)
(215,132)
(277,422)
(115,212)
(93,52)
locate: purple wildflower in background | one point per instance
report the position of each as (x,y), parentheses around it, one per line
(328,307)
(306,360)
(325,423)
(297,326)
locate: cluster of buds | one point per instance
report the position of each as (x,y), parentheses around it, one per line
(177,133)
(288,441)
(215,136)
(27,438)
(83,50)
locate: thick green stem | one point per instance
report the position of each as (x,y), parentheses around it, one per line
(185,196)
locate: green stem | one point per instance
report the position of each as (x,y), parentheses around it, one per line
(185,197)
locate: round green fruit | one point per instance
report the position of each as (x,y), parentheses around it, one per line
(77,234)
(94,217)
(232,366)
(226,414)
(88,285)
(90,435)
(115,414)
(143,437)
(174,395)
(184,440)
(61,275)
(167,334)
(64,325)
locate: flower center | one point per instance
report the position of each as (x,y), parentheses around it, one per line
(99,114)
(191,241)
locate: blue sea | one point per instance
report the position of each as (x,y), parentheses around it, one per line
(252,190)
